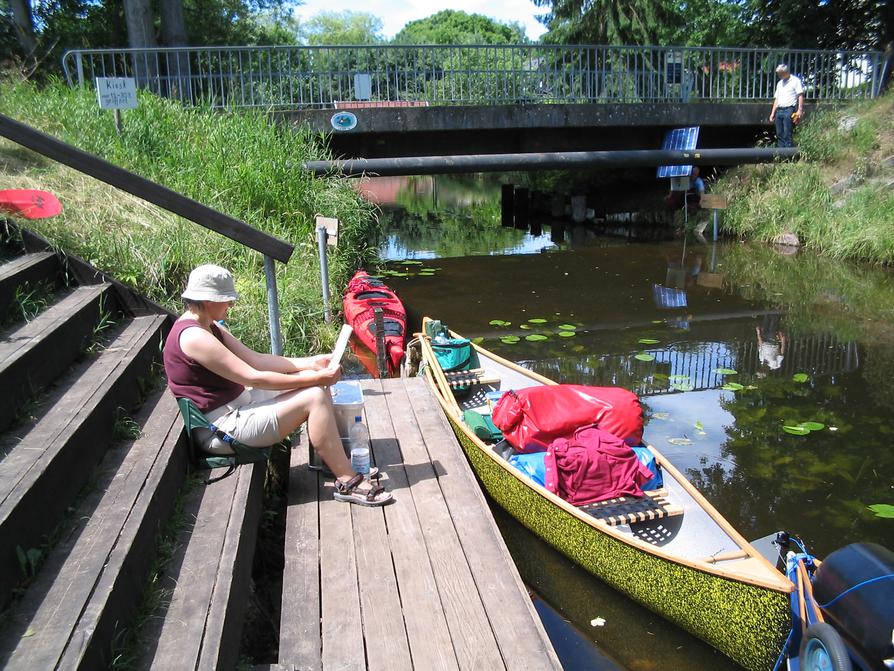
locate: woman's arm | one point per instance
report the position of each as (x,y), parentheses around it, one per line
(272,362)
(202,346)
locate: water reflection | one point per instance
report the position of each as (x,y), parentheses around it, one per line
(452,216)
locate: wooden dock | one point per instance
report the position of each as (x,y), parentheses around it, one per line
(423,583)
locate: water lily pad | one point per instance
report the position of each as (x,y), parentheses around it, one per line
(678,377)
(813,426)
(411,262)
(567,327)
(657,321)
(882,510)
(659,376)
(535,337)
(648,341)
(679,441)
(644,356)
(526,327)
(699,426)
(499,322)
(800,377)
(796,430)
(578,348)
(733,386)
(537,320)
(682,387)
(478,340)
(725,371)
(566,334)
(509,340)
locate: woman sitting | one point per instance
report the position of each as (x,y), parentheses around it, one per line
(259,399)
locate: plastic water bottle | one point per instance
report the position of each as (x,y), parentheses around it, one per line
(358,438)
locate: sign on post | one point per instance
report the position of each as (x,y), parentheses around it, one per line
(116,93)
(331,226)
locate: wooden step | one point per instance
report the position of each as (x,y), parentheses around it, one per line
(42,472)
(210,577)
(33,355)
(92,583)
(26,268)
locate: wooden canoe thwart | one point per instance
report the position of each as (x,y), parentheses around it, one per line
(670,550)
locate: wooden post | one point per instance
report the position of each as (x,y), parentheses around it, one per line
(381,355)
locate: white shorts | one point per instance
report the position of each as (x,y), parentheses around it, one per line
(250,418)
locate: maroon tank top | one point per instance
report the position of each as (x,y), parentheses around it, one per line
(187,378)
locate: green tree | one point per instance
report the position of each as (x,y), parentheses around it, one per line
(706,23)
(342,28)
(807,24)
(608,21)
(455,27)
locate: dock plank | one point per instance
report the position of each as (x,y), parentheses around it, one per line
(428,634)
(342,627)
(470,629)
(383,622)
(519,632)
(299,629)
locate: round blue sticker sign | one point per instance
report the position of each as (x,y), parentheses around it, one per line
(343,121)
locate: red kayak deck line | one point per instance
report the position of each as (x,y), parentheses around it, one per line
(364,294)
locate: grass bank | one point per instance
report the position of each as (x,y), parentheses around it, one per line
(239,163)
(838,199)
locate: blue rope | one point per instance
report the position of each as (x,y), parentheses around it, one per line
(857,586)
(782,653)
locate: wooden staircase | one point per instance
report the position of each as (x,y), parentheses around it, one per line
(92,462)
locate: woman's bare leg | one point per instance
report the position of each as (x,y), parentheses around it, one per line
(314,405)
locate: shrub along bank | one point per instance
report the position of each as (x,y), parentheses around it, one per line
(838,199)
(239,163)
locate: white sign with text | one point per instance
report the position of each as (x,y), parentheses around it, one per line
(116,93)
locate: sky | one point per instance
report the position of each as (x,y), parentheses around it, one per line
(396,13)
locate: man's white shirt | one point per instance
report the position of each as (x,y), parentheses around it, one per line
(787,91)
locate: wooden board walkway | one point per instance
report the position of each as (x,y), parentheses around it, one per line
(423,583)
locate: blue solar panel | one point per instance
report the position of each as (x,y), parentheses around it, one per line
(682,139)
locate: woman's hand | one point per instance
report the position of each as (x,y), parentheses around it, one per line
(328,376)
(319,362)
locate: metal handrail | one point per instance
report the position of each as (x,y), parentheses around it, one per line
(234,229)
(294,77)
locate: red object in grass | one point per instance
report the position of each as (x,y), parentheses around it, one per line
(29,203)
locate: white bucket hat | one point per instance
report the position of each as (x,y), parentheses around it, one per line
(210,283)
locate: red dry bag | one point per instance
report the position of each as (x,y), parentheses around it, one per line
(532,418)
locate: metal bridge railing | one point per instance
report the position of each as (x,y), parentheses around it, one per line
(293,77)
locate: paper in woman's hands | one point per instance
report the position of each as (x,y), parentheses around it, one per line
(340,345)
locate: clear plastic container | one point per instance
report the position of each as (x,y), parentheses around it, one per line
(359,442)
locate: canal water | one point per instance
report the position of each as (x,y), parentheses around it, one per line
(767,378)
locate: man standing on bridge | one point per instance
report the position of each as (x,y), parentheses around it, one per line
(788,105)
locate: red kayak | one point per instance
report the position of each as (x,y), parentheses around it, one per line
(363,295)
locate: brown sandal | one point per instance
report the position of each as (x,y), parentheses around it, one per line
(347,491)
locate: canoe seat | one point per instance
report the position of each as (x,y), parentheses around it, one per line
(468,378)
(629,509)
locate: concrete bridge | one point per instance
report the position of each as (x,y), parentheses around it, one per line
(421,100)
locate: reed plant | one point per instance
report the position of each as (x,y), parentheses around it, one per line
(838,198)
(242,163)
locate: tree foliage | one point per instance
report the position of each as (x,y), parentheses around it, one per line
(342,28)
(607,21)
(455,27)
